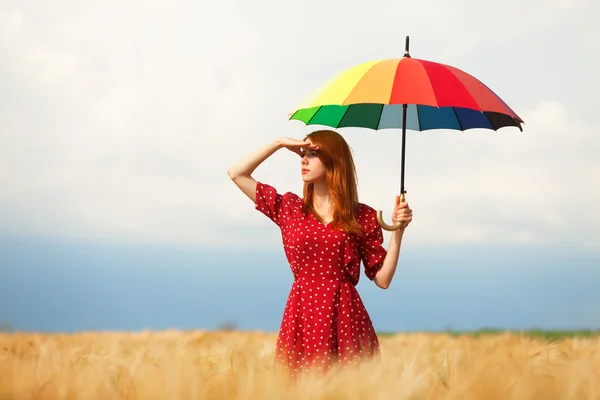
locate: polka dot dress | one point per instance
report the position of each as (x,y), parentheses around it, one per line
(324,320)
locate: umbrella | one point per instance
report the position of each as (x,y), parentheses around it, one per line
(406,93)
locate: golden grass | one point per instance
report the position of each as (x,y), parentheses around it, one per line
(238,365)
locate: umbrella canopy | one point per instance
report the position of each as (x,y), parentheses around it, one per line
(371,95)
(406,93)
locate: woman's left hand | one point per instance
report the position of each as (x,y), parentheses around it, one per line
(402,213)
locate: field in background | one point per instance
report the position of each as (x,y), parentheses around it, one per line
(238,365)
(533,333)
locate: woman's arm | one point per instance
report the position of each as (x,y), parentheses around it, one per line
(383,278)
(241,172)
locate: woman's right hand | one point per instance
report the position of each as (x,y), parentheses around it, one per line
(296,145)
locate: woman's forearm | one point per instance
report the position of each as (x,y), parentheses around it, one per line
(241,172)
(384,276)
(246,165)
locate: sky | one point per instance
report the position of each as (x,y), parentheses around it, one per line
(119,119)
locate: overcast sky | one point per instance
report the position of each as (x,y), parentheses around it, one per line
(119,119)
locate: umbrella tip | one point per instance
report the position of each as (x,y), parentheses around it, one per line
(406,53)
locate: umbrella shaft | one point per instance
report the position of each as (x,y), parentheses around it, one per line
(404,106)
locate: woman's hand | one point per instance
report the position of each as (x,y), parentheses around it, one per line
(296,146)
(402,213)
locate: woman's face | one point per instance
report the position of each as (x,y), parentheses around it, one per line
(313,169)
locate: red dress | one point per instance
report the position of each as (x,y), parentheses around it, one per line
(324,321)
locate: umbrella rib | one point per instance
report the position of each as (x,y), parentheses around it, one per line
(380,114)
(343,115)
(495,127)
(313,116)
(457,120)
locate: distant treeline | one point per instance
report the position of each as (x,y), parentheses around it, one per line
(541,333)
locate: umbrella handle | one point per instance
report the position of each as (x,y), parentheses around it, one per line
(386,226)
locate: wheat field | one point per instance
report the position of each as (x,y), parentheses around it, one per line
(170,365)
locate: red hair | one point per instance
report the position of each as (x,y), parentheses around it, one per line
(341,180)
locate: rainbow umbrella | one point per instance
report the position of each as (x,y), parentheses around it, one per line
(406,93)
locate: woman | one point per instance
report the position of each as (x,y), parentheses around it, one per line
(326,234)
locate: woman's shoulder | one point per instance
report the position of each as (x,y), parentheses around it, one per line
(365,214)
(365,209)
(293,198)
(287,196)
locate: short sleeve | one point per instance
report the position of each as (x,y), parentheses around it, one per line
(370,245)
(269,202)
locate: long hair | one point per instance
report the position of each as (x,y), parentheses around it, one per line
(336,156)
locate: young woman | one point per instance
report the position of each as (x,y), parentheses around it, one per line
(326,234)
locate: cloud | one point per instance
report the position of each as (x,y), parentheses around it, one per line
(118,122)
(111,131)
